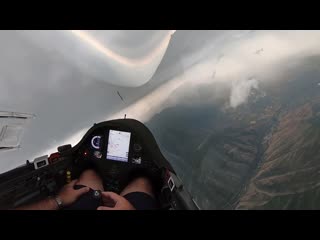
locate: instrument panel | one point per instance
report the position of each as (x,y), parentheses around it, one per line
(114,152)
(113,145)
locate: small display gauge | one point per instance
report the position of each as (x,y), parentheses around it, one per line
(95,142)
(97,154)
(137,147)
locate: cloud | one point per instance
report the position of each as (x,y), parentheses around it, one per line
(233,61)
(240,91)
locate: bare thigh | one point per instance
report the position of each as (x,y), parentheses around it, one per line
(140,184)
(91,179)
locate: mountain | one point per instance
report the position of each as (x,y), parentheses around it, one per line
(264,154)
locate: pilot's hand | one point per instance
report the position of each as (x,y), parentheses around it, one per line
(69,195)
(113,201)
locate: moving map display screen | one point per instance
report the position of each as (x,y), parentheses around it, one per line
(118,145)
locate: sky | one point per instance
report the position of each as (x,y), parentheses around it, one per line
(70,80)
(122,58)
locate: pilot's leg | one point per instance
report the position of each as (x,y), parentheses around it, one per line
(90,179)
(139,192)
(140,184)
(89,201)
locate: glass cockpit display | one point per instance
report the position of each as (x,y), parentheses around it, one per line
(118,145)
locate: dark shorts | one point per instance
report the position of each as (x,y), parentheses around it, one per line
(92,200)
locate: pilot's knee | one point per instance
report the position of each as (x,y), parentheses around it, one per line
(89,174)
(91,179)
